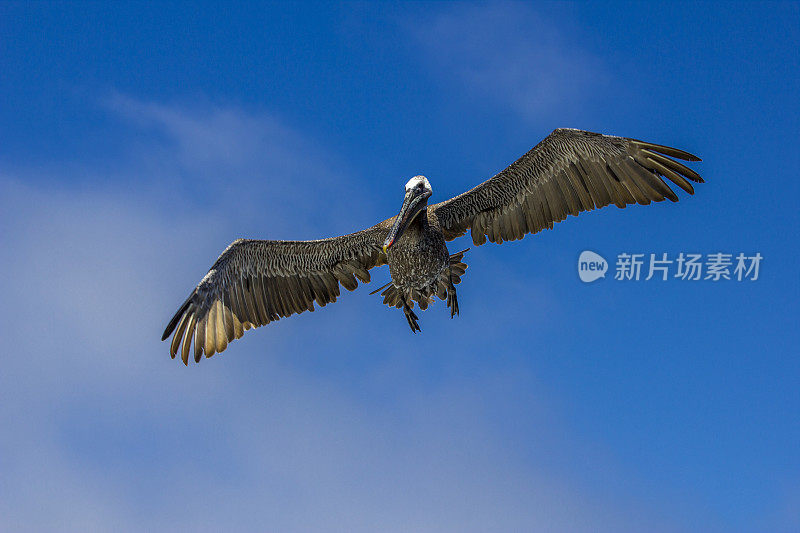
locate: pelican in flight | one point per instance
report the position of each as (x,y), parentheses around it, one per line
(255,282)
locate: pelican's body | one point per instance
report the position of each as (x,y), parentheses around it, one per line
(256,282)
(419,256)
(419,264)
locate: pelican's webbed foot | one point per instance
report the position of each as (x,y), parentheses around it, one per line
(411,317)
(452,300)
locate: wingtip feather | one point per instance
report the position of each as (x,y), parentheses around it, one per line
(173,323)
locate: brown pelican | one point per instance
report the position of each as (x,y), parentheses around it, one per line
(255,282)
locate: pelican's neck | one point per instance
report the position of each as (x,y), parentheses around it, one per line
(421,220)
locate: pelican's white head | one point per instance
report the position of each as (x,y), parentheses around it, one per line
(418,184)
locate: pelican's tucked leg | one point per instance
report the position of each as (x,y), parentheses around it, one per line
(452,300)
(454,273)
(411,317)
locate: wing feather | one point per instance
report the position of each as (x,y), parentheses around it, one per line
(253,283)
(569,172)
(187,338)
(173,348)
(200,336)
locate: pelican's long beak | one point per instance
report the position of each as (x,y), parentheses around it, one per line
(413,203)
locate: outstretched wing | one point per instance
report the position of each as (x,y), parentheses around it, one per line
(256,282)
(570,171)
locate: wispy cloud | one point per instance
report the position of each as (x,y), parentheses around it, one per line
(247,158)
(510,54)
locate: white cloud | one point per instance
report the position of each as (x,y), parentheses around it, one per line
(250,159)
(509,53)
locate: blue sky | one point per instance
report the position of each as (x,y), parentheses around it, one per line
(138,140)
